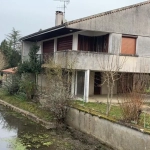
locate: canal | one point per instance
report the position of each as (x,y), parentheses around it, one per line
(19,133)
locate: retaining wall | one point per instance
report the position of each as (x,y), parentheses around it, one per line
(117,136)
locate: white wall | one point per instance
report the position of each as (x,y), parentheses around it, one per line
(26,47)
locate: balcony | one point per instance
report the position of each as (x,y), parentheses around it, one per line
(97,61)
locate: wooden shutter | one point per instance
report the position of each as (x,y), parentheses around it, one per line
(64,43)
(48,46)
(128,45)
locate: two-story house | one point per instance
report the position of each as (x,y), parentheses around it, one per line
(112,35)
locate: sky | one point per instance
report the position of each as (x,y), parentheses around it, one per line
(29,16)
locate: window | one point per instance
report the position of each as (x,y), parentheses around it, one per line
(128,46)
(64,43)
(91,43)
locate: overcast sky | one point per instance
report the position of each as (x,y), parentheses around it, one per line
(28,16)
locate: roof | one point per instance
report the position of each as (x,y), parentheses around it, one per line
(108,12)
(64,28)
(10,70)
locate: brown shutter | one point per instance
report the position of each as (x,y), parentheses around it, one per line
(64,43)
(128,45)
(48,46)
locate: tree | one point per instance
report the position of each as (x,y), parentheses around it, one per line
(11,47)
(57,91)
(33,65)
(110,65)
(29,70)
(13,40)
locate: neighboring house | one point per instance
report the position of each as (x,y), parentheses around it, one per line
(120,32)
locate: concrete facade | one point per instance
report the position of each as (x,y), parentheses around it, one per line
(130,21)
(117,136)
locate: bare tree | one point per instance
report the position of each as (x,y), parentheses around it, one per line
(58,87)
(134,97)
(110,65)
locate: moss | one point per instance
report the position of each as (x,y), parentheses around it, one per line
(25,105)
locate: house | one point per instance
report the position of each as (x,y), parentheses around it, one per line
(112,35)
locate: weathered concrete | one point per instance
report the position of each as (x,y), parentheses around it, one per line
(31,116)
(130,20)
(102,62)
(117,136)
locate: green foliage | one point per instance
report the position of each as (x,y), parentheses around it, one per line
(11,48)
(11,85)
(28,86)
(31,107)
(33,65)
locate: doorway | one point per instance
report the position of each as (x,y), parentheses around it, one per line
(97,83)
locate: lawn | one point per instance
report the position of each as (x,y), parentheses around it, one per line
(98,108)
(29,106)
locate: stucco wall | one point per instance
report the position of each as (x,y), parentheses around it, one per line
(100,61)
(115,43)
(26,47)
(117,136)
(135,21)
(143,46)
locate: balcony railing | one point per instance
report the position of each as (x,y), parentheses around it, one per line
(84,60)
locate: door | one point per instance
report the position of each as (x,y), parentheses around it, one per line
(97,83)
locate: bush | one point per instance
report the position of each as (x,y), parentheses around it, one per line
(11,85)
(28,86)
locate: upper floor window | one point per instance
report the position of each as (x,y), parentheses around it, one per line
(93,43)
(48,46)
(128,45)
(64,43)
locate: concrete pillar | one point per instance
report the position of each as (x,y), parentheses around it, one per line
(75,41)
(76,83)
(55,45)
(73,84)
(86,85)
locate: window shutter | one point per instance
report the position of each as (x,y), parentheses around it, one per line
(64,43)
(48,46)
(128,45)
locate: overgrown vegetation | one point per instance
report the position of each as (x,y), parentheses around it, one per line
(19,101)
(58,89)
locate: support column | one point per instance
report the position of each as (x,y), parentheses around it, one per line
(73,84)
(75,41)
(86,85)
(55,45)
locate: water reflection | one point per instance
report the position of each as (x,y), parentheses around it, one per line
(33,136)
(6,132)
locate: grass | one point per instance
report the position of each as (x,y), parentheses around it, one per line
(98,108)
(26,105)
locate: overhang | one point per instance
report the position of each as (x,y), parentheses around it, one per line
(49,33)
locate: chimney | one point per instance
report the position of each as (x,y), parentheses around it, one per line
(59,18)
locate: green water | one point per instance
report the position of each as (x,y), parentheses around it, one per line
(19,133)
